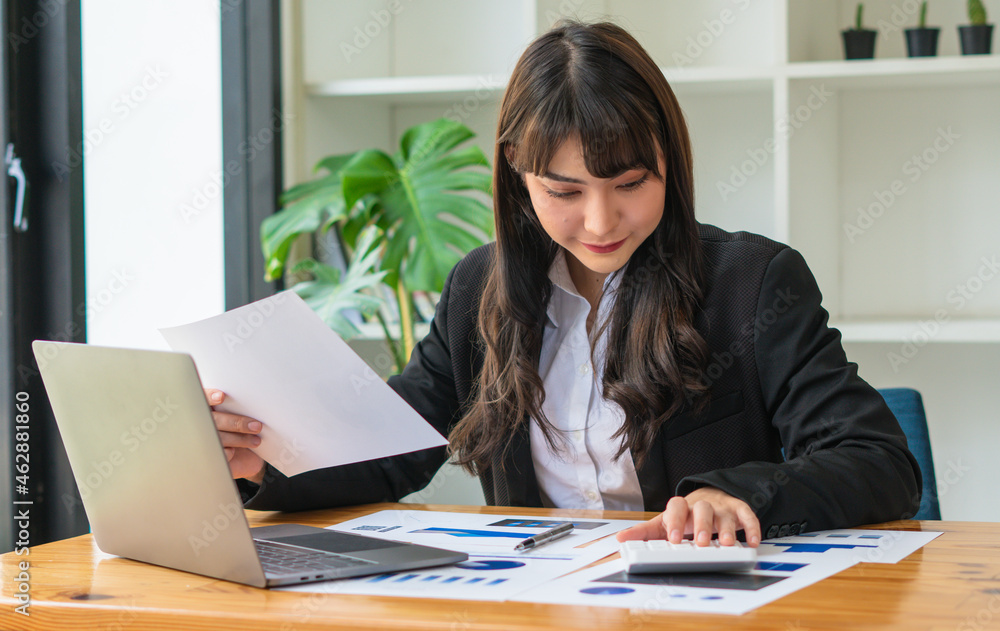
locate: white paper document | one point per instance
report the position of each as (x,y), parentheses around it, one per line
(783,566)
(476,533)
(494,571)
(548,574)
(609,585)
(860,546)
(321,404)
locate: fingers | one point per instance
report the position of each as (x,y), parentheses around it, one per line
(668,525)
(725,525)
(236,430)
(700,514)
(751,525)
(237,440)
(238,435)
(703,518)
(676,517)
(213,396)
(652,529)
(226,422)
(247,464)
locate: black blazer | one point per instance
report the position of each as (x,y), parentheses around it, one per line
(790,429)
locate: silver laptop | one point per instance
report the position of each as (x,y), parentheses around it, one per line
(156,485)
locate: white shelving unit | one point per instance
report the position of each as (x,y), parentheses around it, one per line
(884,173)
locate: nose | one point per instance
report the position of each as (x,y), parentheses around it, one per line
(601,216)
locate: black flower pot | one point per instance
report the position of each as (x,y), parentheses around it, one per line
(859,44)
(922,42)
(976,39)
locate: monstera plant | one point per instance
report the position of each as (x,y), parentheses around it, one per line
(405,220)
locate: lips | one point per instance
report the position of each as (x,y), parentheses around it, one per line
(604,249)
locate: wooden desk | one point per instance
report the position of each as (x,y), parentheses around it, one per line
(953,583)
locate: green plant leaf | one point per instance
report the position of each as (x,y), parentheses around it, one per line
(977,12)
(330,296)
(422,191)
(308,207)
(409,217)
(370,171)
(306,215)
(333,164)
(424,143)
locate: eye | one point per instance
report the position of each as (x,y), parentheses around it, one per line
(637,184)
(560,195)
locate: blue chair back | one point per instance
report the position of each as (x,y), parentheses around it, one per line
(908,407)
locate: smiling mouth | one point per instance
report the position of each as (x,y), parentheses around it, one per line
(604,249)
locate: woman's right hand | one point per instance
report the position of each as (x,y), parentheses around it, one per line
(238,434)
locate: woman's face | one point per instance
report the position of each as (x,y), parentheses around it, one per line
(600,222)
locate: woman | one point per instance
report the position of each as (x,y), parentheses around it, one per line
(610,352)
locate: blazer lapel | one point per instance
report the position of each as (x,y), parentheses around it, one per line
(519,476)
(653,478)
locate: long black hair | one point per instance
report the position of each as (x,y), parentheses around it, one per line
(594,82)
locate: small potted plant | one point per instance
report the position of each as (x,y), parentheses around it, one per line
(922,41)
(977,36)
(859,42)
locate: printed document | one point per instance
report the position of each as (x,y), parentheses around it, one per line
(321,404)
(784,565)
(494,571)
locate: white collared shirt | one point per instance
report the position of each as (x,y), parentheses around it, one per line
(581,472)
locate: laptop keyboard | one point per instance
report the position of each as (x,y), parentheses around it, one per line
(281,559)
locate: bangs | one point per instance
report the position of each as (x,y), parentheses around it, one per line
(616,131)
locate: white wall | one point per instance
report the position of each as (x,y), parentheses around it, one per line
(153,128)
(961,415)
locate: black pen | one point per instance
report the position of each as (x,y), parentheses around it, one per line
(544,537)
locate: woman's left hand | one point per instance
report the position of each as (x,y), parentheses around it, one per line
(700,513)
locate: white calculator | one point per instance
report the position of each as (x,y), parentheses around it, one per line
(659,556)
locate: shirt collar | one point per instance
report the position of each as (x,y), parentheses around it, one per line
(562,283)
